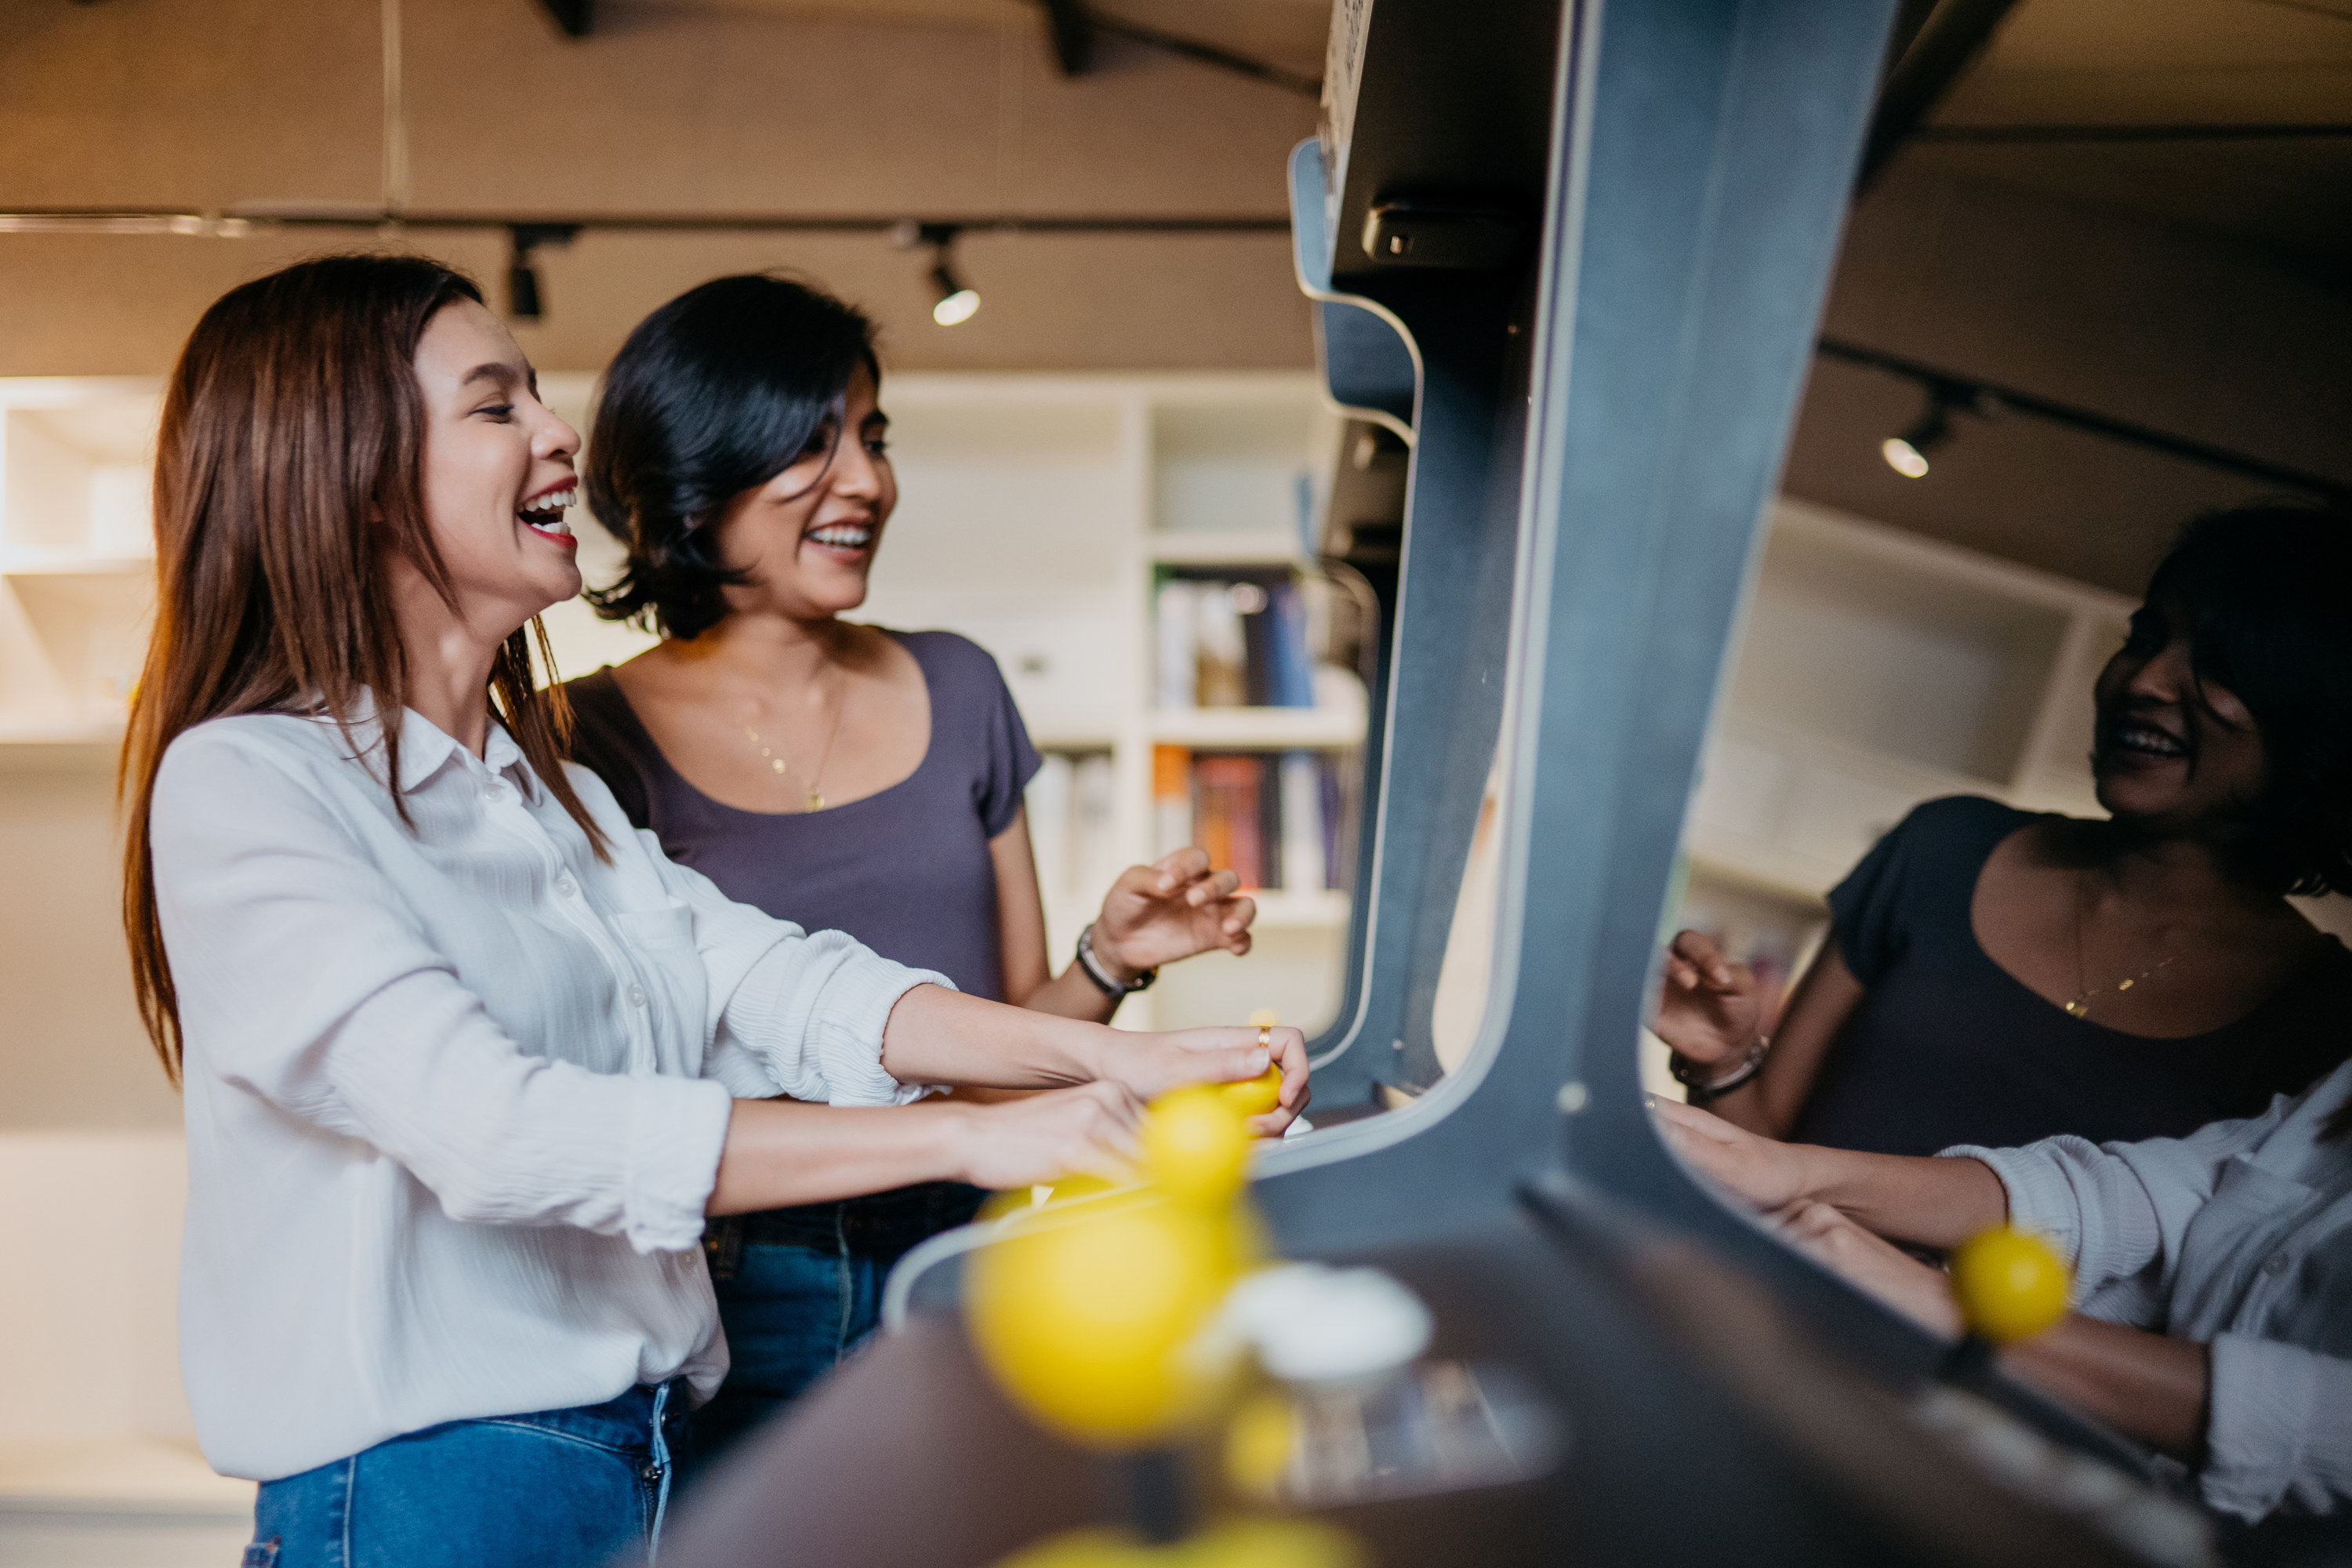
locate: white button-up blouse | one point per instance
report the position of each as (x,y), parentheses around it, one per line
(2239,1235)
(456,1089)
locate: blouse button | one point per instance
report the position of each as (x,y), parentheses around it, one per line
(566,886)
(2276,1264)
(636,995)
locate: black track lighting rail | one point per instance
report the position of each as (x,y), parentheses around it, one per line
(2279,132)
(1970,394)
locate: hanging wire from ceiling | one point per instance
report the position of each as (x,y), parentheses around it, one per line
(395,114)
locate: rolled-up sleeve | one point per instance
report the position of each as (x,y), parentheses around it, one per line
(2086,1202)
(2117,1210)
(793,1012)
(311,985)
(2280,1434)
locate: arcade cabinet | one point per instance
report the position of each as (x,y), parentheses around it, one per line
(1566,262)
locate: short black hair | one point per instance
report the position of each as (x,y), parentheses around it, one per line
(2268,589)
(714,394)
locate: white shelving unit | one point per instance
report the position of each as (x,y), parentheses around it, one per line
(1034,512)
(75,545)
(1876,670)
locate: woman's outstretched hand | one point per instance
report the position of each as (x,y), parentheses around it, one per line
(1768,1174)
(1172,909)
(1151,1065)
(1707,1009)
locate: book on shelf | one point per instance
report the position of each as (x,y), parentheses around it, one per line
(1072,804)
(1281,820)
(1232,639)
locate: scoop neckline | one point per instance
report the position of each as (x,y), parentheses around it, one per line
(930,745)
(1977,946)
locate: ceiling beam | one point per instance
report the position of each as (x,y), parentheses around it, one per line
(1910,16)
(239,223)
(1070,34)
(576,17)
(1073,28)
(1951,39)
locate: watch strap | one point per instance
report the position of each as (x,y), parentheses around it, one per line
(1102,977)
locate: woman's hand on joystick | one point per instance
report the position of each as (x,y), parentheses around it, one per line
(1151,1065)
(1091,1130)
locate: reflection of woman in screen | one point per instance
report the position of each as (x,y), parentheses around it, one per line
(2232,1244)
(1995,976)
(834,774)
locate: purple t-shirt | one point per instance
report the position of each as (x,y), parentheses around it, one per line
(906,872)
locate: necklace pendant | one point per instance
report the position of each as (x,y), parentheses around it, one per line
(816,800)
(2078,1006)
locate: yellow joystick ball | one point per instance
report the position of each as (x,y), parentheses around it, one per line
(1194,1145)
(1255,1096)
(1085,1315)
(2008,1284)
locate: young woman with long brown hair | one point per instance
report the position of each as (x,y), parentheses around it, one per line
(468,1061)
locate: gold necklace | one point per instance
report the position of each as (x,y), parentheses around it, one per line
(2081,1006)
(816,779)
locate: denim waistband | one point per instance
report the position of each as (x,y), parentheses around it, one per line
(624,1424)
(877,1222)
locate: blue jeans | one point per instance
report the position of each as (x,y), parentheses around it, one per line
(801,1289)
(561,1488)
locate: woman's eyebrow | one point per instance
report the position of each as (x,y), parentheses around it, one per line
(495,372)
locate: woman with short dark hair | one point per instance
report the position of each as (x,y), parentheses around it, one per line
(1994,977)
(830,773)
(468,1061)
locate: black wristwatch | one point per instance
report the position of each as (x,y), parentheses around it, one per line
(1700,1079)
(1101,976)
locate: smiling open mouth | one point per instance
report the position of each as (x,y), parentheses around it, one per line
(841,535)
(545,514)
(2131,738)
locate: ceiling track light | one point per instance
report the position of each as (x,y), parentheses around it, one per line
(523,303)
(954,301)
(1907,453)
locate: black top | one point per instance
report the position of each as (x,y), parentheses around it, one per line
(1946,1046)
(905,871)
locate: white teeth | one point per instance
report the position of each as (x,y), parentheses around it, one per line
(546,514)
(2139,740)
(845,536)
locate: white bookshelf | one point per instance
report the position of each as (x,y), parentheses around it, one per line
(1034,512)
(75,589)
(1877,669)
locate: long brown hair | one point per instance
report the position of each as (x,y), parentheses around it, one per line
(287,471)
